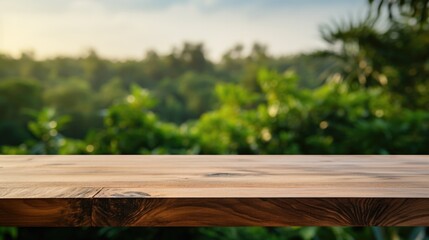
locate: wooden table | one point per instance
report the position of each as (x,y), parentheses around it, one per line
(174,190)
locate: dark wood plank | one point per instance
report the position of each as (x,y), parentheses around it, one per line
(260,212)
(45,212)
(46,206)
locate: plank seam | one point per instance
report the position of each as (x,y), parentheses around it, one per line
(98,191)
(92,206)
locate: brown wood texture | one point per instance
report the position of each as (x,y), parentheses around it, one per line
(205,190)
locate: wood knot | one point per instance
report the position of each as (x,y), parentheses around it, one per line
(223,174)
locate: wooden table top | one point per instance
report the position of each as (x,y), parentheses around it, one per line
(207,190)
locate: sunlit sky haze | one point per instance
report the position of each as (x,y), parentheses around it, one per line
(128,28)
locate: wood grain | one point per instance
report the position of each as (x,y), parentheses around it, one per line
(260,212)
(52,212)
(206,190)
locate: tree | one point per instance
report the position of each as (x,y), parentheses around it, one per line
(96,70)
(131,127)
(17,98)
(415,9)
(193,57)
(394,56)
(74,98)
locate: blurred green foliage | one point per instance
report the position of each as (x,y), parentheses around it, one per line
(367,94)
(182,81)
(219,233)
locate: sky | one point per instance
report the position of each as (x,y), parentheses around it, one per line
(129,28)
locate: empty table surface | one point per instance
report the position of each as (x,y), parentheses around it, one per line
(208,190)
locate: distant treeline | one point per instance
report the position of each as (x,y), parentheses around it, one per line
(182,83)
